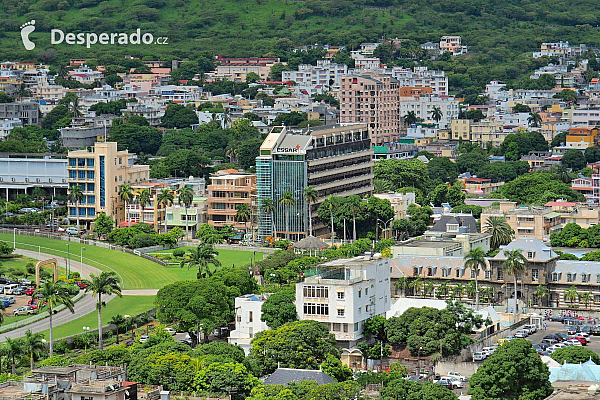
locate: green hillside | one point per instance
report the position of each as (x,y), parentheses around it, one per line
(498,32)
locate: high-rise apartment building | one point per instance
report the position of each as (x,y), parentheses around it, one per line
(335,160)
(101,171)
(373,100)
(227,190)
(421,77)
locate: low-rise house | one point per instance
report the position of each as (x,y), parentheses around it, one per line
(248,322)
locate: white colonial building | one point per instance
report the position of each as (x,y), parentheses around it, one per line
(247,320)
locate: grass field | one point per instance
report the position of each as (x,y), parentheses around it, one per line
(135,272)
(126,305)
(17,263)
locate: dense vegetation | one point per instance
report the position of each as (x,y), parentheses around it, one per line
(497,33)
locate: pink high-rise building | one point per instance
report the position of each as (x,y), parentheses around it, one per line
(373,100)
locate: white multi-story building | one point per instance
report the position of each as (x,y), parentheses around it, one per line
(7,125)
(421,77)
(589,116)
(344,293)
(21,175)
(423,106)
(325,73)
(248,311)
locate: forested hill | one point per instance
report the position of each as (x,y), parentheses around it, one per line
(496,31)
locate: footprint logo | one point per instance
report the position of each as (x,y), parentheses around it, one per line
(26,29)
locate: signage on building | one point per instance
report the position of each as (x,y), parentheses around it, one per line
(287,150)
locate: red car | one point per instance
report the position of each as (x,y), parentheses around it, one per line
(580,339)
(29,291)
(81,284)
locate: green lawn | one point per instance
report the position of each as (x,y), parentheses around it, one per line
(135,272)
(126,305)
(18,263)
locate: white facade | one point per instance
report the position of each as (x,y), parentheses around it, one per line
(586,116)
(344,293)
(248,312)
(493,90)
(7,125)
(422,107)
(421,77)
(323,74)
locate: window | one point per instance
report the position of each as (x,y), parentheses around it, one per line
(91,199)
(81,174)
(355,326)
(316,291)
(90,162)
(598,278)
(445,272)
(585,278)
(72,162)
(81,162)
(535,275)
(429,271)
(500,275)
(555,276)
(530,254)
(340,295)
(488,274)
(90,174)
(250,316)
(359,293)
(472,273)
(316,309)
(72,174)
(82,211)
(72,211)
(458,272)
(366,291)
(91,212)
(90,187)
(340,312)
(359,310)
(570,277)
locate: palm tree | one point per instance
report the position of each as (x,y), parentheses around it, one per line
(410,118)
(33,344)
(534,119)
(243,214)
(202,257)
(515,265)
(310,197)
(501,232)
(475,259)
(106,283)
(570,294)
(416,285)
(269,207)
(126,195)
(382,186)
(232,153)
(541,292)
(75,196)
(442,290)
(118,321)
(74,107)
(459,290)
(429,286)
(402,284)
(331,207)
(586,297)
(471,289)
(185,196)
(354,206)
(143,199)
(286,202)
(13,349)
(54,294)
(165,197)
(436,114)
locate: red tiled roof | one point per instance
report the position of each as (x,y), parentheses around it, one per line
(560,204)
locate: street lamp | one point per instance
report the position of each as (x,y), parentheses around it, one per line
(81,259)
(384,224)
(68,260)
(86,330)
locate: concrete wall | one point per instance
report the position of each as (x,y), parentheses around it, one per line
(464,368)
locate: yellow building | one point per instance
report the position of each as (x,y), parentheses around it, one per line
(582,136)
(461,129)
(486,131)
(100,172)
(526,222)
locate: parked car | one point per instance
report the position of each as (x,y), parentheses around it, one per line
(455,382)
(81,284)
(29,291)
(571,330)
(444,382)
(521,334)
(556,318)
(530,328)
(563,335)
(458,376)
(185,341)
(595,330)
(24,310)
(573,342)
(10,299)
(543,345)
(478,356)
(549,342)
(171,331)
(488,350)
(20,290)
(510,337)
(586,329)
(72,230)
(558,337)
(143,338)
(25,282)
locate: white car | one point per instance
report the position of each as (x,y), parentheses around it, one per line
(521,334)
(458,376)
(479,356)
(171,331)
(530,328)
(143,338)
(72,230)
(488,350)
(456,383)
(573,342)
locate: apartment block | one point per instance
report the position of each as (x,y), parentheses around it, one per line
(27,112)
(526,222)
(399,201)
(582,137)
(461,129)
(335,160)
(227,190)
(324,74)
(344,293)
(236,69)
(423,106)
(372,100)
(421,77)
(100,171)
(576,213)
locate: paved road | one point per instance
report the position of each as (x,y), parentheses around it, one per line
(84,306)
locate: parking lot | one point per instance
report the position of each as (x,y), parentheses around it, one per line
(558,327)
